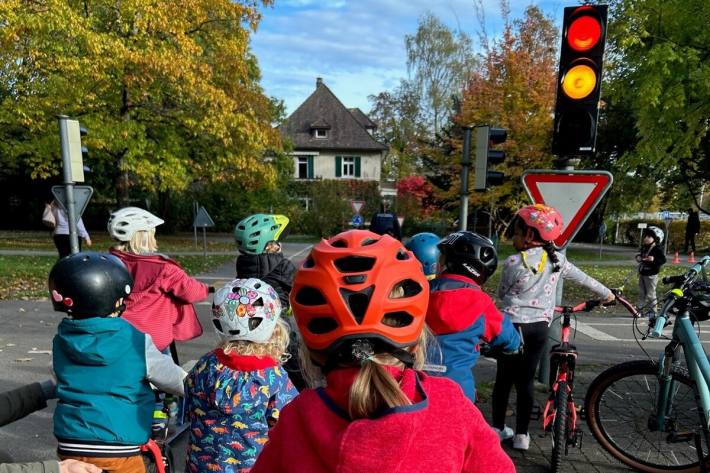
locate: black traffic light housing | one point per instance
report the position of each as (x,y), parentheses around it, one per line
(485,157)
(579,80)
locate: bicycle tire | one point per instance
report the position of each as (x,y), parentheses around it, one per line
(632,385)
(559,429)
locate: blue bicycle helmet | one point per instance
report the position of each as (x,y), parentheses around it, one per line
(423,245)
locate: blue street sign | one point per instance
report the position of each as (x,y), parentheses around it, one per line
(357,220)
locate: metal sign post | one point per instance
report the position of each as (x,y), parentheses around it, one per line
(641,227)
(602,234)
(203,219)
(66,126)
(667,220)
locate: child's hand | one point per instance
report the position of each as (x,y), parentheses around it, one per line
(649,258)
(638,258)
(75,466)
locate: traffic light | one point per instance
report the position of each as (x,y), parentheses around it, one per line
(579,80)
(485,138)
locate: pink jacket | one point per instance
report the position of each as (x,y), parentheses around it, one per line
(160,303)
(441,432)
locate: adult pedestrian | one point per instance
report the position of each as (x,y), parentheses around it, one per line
(386,223)
(691,229)
(61,230)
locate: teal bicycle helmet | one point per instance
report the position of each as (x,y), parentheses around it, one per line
(254,232)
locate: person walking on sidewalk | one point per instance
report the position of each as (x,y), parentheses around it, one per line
(61,231)
(650,260)
(692,228)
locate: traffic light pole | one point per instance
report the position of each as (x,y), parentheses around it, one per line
(68,183)
(465,163)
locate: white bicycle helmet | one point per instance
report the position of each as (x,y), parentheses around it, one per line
(125,222)
(656,233)
(246,309)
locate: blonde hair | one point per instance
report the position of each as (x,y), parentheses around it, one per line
(275,347)
(374,388)
(142,243)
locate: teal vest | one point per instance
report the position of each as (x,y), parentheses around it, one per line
(104,396)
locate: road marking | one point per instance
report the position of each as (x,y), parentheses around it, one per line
(296,254)
(593,333)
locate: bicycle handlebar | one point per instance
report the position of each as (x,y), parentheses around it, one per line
(682,283)
(585,306)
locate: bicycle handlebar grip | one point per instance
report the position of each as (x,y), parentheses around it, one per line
(673,279)
(658,327)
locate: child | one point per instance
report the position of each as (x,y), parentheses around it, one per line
(360,301)
(460,314)
(423,245)
(261,257)
(650,260)
(235,392)
(104,366)
(161,302)
(527,290)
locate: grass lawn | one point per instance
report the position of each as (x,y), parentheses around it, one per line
(25,277)
(17,240)
(611,276)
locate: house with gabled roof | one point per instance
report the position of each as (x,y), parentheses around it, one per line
(331,141)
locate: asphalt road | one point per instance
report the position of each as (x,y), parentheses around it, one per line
(602,338)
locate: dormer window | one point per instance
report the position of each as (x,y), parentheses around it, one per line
(321,133)
(319,129)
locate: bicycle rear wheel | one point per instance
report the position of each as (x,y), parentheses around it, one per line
(621,401)
(559,428)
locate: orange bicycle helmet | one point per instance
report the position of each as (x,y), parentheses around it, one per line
(360,286)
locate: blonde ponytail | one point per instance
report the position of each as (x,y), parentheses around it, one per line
(374,390)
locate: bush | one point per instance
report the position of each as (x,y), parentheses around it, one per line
(629,233)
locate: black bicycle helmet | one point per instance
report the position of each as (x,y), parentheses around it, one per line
(88,284)
(469,254)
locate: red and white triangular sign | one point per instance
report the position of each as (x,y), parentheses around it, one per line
(575,194)
(357,206)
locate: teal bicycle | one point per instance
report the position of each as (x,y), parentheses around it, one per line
(655,416)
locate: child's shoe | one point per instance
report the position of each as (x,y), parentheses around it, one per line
(505,433)
(521,441)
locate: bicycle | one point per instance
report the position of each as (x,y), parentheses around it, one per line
(651,415)
(560,413)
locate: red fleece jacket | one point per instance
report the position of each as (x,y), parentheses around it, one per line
(441,432)
(160,303)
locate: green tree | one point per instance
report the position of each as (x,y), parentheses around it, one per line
(169,90)
(401,126)
(660,64)
(439,61)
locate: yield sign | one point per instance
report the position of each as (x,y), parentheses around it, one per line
(82,194)
(575,194)
(357,206)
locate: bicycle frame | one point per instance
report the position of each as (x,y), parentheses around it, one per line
(685,337)
(563,358)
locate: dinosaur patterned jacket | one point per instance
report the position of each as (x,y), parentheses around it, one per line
(232,402)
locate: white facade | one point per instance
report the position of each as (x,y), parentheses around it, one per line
(366,166)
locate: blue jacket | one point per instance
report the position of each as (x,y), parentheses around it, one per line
(461,315)
(103,367)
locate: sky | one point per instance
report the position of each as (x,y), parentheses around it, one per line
(357,46)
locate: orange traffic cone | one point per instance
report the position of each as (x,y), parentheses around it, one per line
(691,258)
(676,258)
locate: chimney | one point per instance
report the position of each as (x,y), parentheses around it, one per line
(319,82)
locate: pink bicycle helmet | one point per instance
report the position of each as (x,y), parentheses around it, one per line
(546,220)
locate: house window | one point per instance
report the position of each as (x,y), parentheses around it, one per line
(348,166)
(305,203)
(304,167)
(321,133)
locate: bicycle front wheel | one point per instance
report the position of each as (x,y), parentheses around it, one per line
(559,428)
(621,408)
